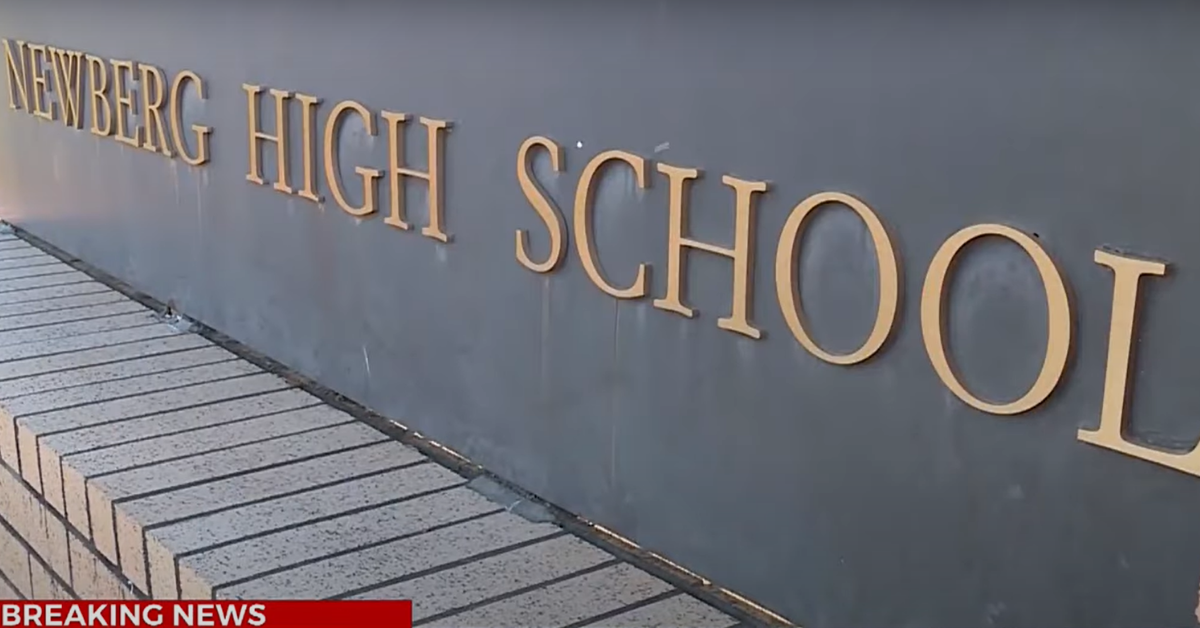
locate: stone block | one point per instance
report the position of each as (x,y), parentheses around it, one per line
(52,292)
(324,559)
(15,356)
(153,451)
(45,319)
(76,328)
(566,602)
(60,303)
(103,403)
(101,493)
(146,429)
(12,243)
(22,253)
(475,582)
(34,259)
(158,393)
(144,330)
(189,351)
(19,369)
(165,541)
(678,610)
(115,412)
(44,281)
(144,453)
(33,271)
(188,419)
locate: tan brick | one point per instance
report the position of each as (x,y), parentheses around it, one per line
(35,523)
(45,585)
(9,594)
(14,562)
(90,577)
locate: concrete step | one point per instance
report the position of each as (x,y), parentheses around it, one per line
(139,461)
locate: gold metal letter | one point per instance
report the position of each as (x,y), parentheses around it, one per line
(545,209)
(308,107)
(68,79)
(16,75)
(1058,314)
(280,136)
(202,132)
(124,97)
(885,258)
(152,80)
(742,252)
(397,169)
(1127,273)
(583,223)
(37,74)
(98,88)
(332,169)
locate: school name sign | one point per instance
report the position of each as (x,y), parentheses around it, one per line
(142,106)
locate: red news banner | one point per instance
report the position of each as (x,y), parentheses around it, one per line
(365,614)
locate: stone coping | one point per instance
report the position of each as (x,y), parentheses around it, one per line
(141,461)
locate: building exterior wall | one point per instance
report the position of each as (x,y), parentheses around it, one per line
(860,494)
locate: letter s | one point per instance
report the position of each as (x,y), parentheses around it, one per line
(257,618)
(550,215)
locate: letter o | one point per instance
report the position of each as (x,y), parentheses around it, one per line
(889,277)
(1058,342)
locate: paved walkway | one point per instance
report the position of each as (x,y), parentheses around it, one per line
(156,454)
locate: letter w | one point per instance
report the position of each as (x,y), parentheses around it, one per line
(68,75)
(231,615)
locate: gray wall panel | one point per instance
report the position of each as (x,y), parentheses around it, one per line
(838,496)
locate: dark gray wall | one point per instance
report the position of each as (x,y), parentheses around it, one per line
(860,496)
